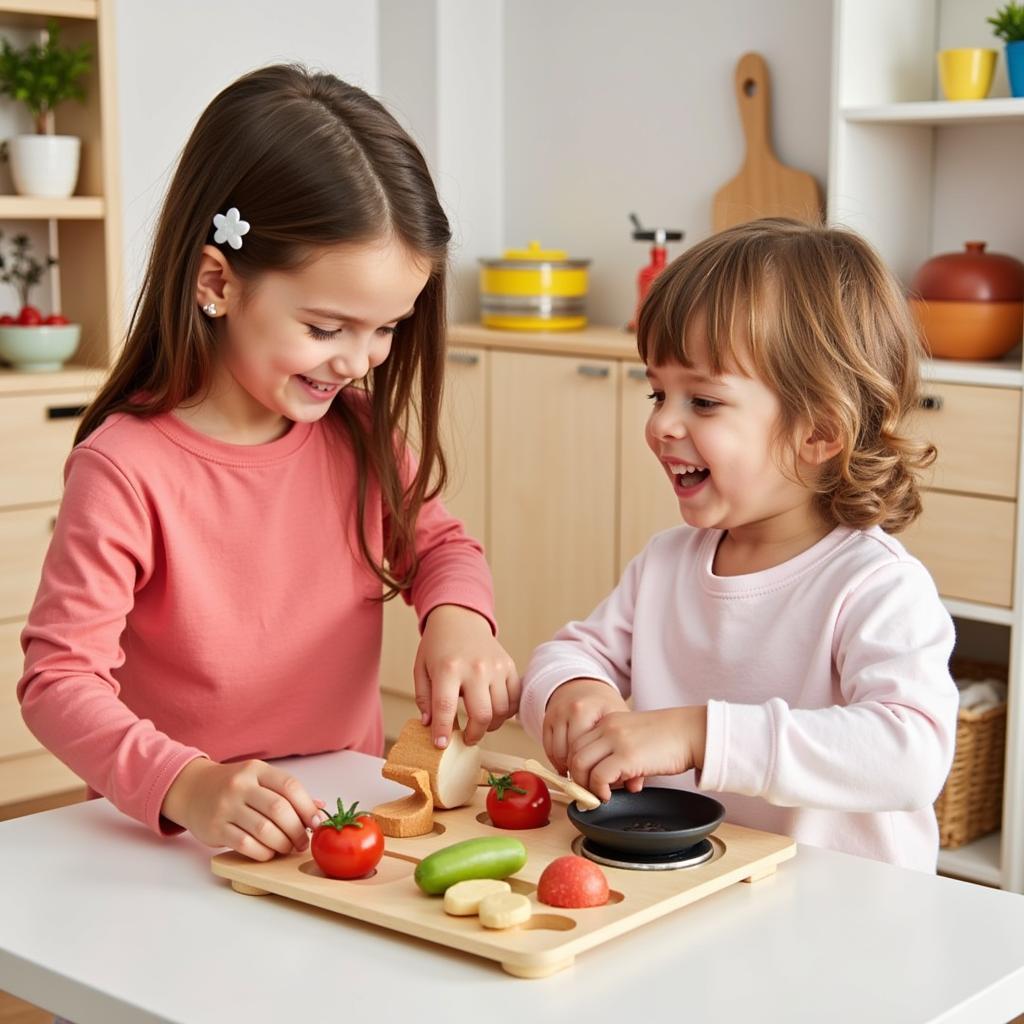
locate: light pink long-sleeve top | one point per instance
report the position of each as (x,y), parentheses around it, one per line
(830,708)
(200,597)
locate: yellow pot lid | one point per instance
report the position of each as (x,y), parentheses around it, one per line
(534,255)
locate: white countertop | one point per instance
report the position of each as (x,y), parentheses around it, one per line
(104,923)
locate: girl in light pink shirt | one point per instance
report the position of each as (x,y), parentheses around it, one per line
(782,650)
(242,493)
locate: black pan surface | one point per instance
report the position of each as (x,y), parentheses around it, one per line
(654,821)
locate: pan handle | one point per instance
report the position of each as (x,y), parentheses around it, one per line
(506,763)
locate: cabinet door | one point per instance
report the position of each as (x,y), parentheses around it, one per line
(464,438)
(553,492)
(977,433)
(647,502)
(15,739)
(36,434)
(24,537)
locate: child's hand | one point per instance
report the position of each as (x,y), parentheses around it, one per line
(458,654)
(572,711)
(623,748)
(251,807)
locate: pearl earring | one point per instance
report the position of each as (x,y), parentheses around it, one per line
(210,309)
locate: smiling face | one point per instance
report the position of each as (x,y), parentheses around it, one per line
(716,438)
(289,341)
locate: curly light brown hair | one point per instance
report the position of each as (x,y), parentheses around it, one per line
(814,313)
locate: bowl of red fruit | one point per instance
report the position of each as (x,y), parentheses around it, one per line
(32,343)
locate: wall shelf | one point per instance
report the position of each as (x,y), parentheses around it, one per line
(36,208)
(996,373)
(86,9)
(938,112)
(975,862)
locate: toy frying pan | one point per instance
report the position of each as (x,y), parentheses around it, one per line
(655,822)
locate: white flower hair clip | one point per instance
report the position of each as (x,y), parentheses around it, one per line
(230,228)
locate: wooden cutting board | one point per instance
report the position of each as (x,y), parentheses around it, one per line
(552,938)
(764,187)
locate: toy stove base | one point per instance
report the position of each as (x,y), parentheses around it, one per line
(689,858)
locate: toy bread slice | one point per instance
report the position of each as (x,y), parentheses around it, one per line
(463,898)
(504,910)
(454,772)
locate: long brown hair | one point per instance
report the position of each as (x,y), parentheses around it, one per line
(310,161)
(813,312)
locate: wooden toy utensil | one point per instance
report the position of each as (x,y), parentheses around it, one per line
(585,800)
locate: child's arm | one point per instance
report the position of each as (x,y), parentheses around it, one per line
(458,654)
(100,553)
(583,673)
(888,745)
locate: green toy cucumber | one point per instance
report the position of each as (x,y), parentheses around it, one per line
(487,857)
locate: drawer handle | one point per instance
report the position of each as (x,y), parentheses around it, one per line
(463,358)
(584,370)
(931,402)
(635,373)
(65,412)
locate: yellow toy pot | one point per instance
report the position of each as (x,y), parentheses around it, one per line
(533,289)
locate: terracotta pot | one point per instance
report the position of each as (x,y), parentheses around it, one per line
(970,304)
(969,330)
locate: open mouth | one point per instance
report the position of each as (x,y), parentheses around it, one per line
(325,389)
(685,476)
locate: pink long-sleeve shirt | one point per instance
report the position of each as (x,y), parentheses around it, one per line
(831,713)
(203,598)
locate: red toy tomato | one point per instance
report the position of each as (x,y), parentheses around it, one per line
(7,319)
(348,844)
(29,316)
(572,881)
(519,800)
(56,318)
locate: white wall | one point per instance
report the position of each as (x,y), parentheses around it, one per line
(612,107)
(548,119)
(173,58)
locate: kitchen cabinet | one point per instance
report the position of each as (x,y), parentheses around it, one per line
(647,503)
(40,412)
(552,476)
(918,175)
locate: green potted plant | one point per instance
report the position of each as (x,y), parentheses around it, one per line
(42,76)
(1008,24)
(30,342)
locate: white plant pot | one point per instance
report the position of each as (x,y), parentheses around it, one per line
(45,165)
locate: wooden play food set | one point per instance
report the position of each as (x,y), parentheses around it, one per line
(552,937)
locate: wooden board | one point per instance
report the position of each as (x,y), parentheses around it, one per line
(764,187)
(553,937)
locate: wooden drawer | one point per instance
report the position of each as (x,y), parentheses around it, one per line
(36,434)
(24,537)
(967,545)
(977,431)
(15,738)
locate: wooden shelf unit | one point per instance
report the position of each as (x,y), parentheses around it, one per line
(37,411)
(918,175)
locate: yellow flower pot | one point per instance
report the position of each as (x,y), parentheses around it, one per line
(966,74)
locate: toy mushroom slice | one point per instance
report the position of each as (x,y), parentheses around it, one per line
(454,771)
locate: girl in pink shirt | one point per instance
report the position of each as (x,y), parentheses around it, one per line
(242,493)
(782,649)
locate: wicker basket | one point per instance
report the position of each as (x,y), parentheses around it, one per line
(971,802)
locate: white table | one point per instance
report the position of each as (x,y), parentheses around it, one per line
(104,923)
